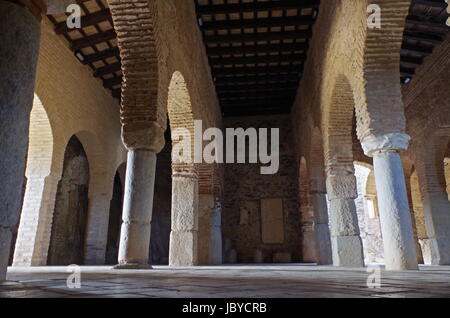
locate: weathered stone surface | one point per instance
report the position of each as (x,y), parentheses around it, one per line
(341,187)
(347,251)
(183,248)
(137,208)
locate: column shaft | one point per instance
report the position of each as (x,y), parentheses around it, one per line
(137,209)
(19,50)
(398,240)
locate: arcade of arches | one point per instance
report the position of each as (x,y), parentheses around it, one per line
(89,117)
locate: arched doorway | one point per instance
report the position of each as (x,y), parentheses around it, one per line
(71,208)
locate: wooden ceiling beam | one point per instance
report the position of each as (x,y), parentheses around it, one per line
(258,95)
(258,59)
(417,48)
(108,69)
(258,37)
(256,87)
(110,82)
(229,71)
(93,40)
(257,48)
(418,20)
(102,55)
(434,4)
(258,23)
(257,6)
(87,20)
(225,81)
(423,37)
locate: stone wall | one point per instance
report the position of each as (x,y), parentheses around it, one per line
(245,187)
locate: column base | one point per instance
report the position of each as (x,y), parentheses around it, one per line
(440,250)
(133,266)
(183,248)
(347,251)
(323,244)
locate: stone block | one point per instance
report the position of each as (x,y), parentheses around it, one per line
(281,257)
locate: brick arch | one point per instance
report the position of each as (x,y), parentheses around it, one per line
(338,125)
(381,68)
(135,22)
(179,110)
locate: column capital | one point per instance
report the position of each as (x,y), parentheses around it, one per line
(143,136)
(388,142)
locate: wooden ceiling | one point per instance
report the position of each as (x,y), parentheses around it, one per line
(425,29)
(256,48)
(94,44)
(256,51)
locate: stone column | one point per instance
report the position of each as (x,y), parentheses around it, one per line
(205,208)
(137,210)
(19,50)
(183,250)
(321,229)
(216,234)
(396,226)
(346,243)
(33,239)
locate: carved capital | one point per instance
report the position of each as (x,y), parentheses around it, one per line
(143,136)
(388,142)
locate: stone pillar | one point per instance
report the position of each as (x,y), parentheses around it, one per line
(205,208)
(216,234)
(137,210)
(97,228)
(183,250)
(33,239)
(19,50)
(321,229)
(436,209)
(396,226)
(210,230)
(346,243)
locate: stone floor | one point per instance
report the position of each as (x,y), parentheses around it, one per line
(265,281)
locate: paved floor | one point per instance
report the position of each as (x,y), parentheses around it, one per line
(265,281)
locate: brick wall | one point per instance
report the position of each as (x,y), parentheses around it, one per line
(245,187)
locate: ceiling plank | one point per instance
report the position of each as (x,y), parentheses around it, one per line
(259,37)
(258,23)
(257,48)
(87,20)
(258,59)
(257,6)
(93,40)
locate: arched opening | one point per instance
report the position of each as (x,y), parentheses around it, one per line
(71,208)
(39,190)
(115,219)
(161,218)
(368,214)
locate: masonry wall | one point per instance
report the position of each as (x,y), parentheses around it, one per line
(68,101)
(244,189)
